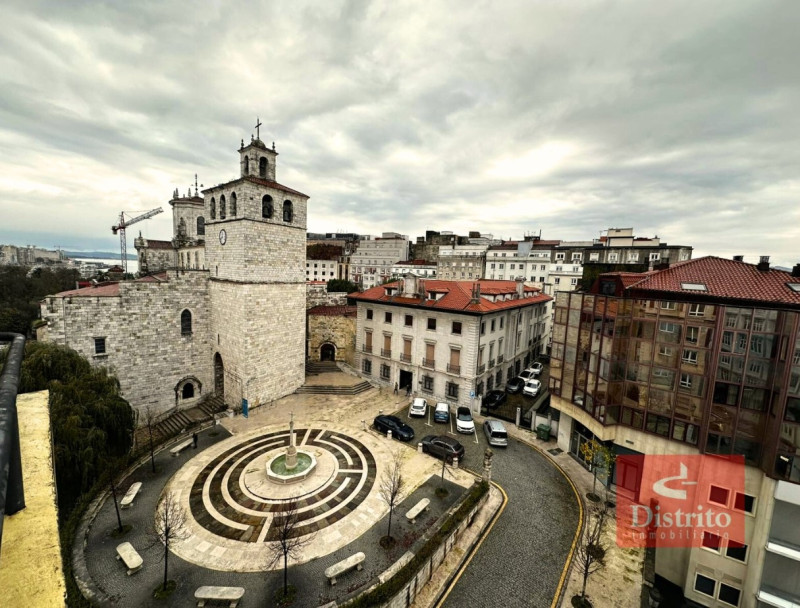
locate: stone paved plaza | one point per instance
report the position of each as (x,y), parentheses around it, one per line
(230,508)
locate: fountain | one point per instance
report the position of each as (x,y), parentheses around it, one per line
(293,465)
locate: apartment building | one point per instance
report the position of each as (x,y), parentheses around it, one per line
(371,264)
(448,340)
(702,357)
(419,268)
(461,262)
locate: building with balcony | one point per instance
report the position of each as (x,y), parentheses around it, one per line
(419,268)
(371,264)
(702,357)
(448,340)
(461,262)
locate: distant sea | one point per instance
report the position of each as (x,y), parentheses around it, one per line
(133,265)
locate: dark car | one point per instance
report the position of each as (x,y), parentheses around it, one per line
(400,430)
(443,447)
(494,399)
(515,385)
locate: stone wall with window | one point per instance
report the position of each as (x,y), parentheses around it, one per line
(335,328)
(143,339)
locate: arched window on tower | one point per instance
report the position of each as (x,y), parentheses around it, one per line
(187,392)
(233,204)
(262,167)
(201,226)
(186,323)
(247,165)
(287,211)
(222,207)
(213,208)
(266,206)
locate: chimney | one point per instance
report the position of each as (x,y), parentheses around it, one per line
(476,293)
(520,287)
(410,285)
(738,258)
(421,288)
(763,263)
(796,270)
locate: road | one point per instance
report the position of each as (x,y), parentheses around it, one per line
(521,560)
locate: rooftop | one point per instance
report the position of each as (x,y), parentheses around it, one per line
(719,278)
(457,295)
(333,311)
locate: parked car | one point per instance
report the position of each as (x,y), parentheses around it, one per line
(419,407)
(464,422)
(400,430)
(536,368)
(532,388)
(515,385)
(496,433)
(494,399)
(442,412)
(444,447)
(527,374)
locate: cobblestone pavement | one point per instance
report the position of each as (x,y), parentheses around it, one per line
(118,589)
(521,561)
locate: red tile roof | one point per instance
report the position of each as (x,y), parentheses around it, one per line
(109,289)
(458,296)
(724,280)
(333,311)
(153,244)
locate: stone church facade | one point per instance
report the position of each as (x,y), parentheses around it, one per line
(225,317)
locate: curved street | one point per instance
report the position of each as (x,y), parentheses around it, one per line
(521,560)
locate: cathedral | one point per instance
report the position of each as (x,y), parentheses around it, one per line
(220,310)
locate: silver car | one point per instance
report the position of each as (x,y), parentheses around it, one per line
(496,433)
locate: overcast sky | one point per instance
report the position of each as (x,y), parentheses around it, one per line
(679,119)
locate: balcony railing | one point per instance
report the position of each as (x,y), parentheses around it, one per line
(405,358)
(491,363)
(386,352)
(431,363)
(500,359)
(366,348)
(453,369)
(481,368)
(12,495)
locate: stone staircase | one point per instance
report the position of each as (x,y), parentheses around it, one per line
(334,390)
(320,367)
(177,422)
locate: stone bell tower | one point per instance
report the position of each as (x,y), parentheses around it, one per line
(255,252)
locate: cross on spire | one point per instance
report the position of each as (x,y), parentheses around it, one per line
(258,125)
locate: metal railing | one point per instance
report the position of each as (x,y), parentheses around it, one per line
(386,352)
(431,363)
(12,492)
(366,348)
(405,358)
(453,369)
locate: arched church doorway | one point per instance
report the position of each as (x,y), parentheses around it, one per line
(327,352)
(219,376)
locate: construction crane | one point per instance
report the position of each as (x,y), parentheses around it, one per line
(123,224)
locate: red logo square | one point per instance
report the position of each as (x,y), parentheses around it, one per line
(678,501)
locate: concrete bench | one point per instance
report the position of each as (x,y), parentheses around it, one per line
(209,593)
(354,561)
(181,446)
(127,500)
(417,509)
(129,557)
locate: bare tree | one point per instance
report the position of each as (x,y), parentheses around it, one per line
(149,421)
(170,526)
(288,539)
(591,550)
(392,486)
